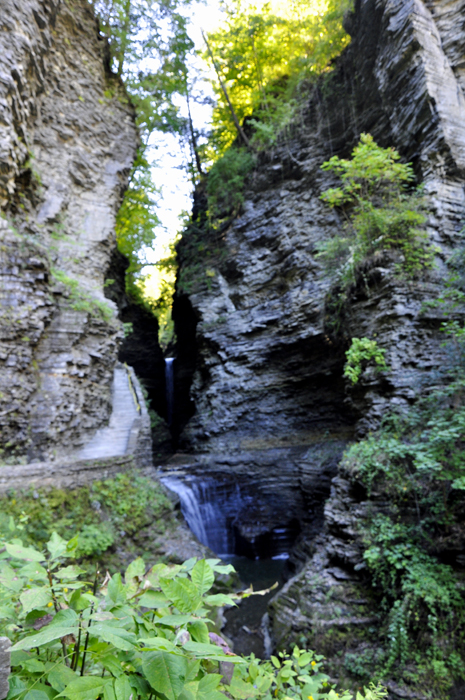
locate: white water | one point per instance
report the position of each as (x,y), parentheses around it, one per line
(169,381)
(209,508)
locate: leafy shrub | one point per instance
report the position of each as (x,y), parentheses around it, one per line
(415,465)
(362,351)
(226,181)
(380,213)
(100,512)
(142,636)
(94,540)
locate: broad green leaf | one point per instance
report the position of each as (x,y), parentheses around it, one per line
(116,591)
(35,598)
(305,659)
(65,622)
(158,644)
(199,631)
(193,666)
(219,599)
(122,687)
(49,634)
(241,690)
(44,688)
(203,576)
(60,676)
(117,636)
(9,578)
(80,601)
(33,665)
(176,620)
(153,599)
(33,572)
(109,692)
(64,617)
(182,592)
(211,651)
(209,683)
(17,687)
(136,569)
(224,569)
(69,572)
(35,694)
(84,688)
(140,685)
(27,553)
(111,663)
(165,672)
(19,657)
(189,564)
(57,546)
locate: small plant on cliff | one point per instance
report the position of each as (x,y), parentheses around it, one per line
(147,634)
(79,300)
(226,181)
(381,214)
(362,352)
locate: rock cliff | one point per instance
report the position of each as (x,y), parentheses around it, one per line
(67,144)
(271,404)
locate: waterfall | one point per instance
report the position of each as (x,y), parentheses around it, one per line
(232,520)
(169,382)
(208,507)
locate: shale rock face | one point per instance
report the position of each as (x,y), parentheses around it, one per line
(67,142)
(266,351)
(268,386)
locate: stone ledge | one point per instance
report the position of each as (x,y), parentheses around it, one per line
(64,474)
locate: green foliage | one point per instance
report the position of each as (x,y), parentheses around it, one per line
(98,513)
(363,351)
(415,463)
(380,213)
(136,223)
(226,180)
(158,286)
(146,634)
(263,53)
(79,300)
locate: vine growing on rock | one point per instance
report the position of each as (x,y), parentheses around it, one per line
(415,465)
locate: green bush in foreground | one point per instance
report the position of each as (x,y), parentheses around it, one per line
(142,636)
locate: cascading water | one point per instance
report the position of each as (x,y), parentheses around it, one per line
(228,517)
(208,507)
(233,520)
(169,382)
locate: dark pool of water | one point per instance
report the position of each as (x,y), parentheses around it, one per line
(243,624)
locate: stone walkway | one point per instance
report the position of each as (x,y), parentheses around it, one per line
(113,441)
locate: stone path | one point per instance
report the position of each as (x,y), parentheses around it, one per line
(113,441)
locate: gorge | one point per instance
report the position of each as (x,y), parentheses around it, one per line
(259,413)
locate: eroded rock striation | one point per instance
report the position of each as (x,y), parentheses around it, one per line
(267,380)
(67,144)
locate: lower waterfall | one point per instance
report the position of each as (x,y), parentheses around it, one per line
(169,383)
(229,518)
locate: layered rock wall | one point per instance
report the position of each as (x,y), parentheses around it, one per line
(271,326)
(67,143)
